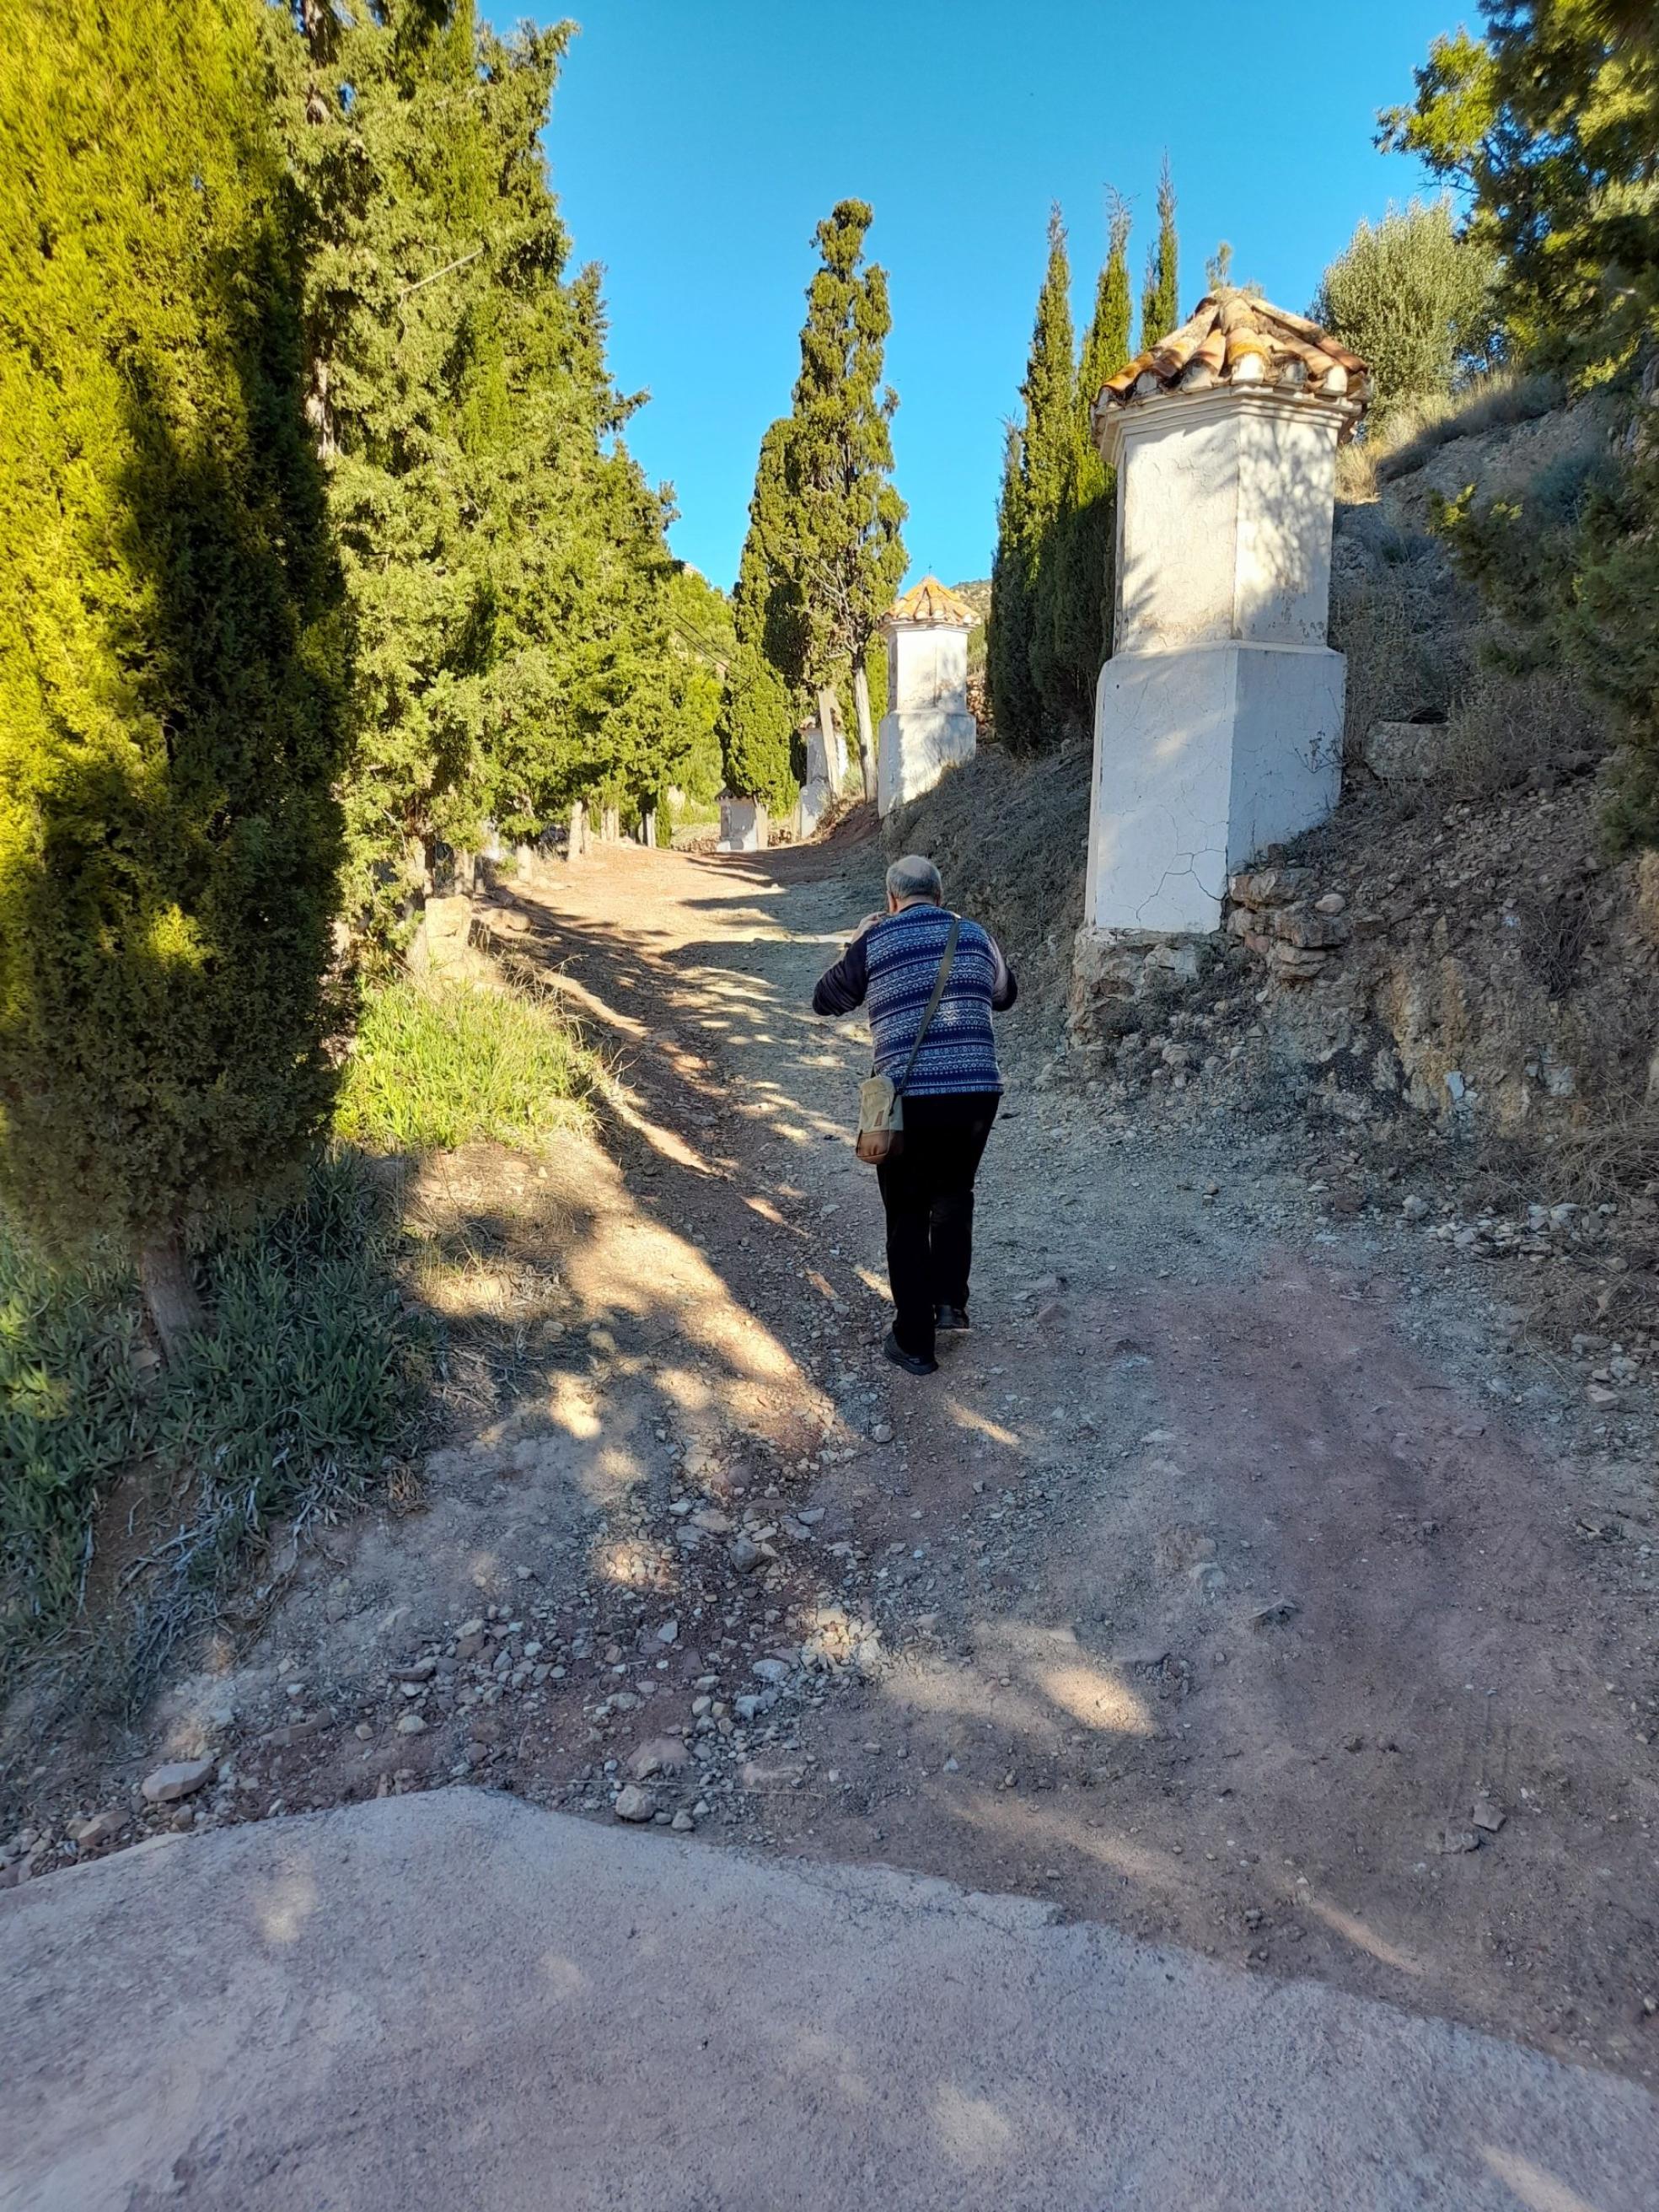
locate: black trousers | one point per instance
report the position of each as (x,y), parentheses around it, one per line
(928,1188)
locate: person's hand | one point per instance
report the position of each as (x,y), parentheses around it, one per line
(868,922)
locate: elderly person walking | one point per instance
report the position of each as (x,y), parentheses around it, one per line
(951,1095)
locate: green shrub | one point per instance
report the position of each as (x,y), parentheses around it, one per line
(71,1417)
(314,1374)
(441,1064)
(1414,300)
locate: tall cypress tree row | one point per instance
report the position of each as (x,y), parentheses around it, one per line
(1051,597)
(1077,588)
(1106,344)
(1056,453)
(1160,300)
(1016,713)
(825,553)
(1053,444)
(170,645)
(1045,454)
(507,563)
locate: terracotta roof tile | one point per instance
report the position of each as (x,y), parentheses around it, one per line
(1235,337)
(930,602)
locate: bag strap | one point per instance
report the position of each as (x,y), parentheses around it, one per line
(946,959)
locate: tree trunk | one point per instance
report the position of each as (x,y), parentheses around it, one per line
(867,735)
(576,844)
(827,726)
(170,1298)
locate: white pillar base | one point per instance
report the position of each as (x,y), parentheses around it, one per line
(812,805)
(743,826)
(914,749)
(1203,756)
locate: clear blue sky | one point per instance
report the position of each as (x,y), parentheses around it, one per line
(695,143)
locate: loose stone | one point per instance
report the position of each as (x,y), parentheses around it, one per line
(182,1778)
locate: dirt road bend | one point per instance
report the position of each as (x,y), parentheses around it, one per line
(1229,1587)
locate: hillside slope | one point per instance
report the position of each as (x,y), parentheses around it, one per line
(1492,1023)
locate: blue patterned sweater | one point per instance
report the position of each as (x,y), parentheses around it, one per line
(892,967)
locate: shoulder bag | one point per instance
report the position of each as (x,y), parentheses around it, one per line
(881,1101)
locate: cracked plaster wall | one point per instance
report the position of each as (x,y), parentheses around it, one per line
(1218,719)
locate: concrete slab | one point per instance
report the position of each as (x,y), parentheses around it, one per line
(454,2000)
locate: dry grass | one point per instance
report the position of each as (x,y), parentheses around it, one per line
(1506,732)
(1393,615)
(1609,1161)
(1403,440)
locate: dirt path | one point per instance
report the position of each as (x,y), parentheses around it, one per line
(1228,1584)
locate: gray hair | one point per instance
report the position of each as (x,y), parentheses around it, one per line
(915,878)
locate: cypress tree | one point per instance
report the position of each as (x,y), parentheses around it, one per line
(1014,712)
(1160,301)
(1055,454)
(755,726)
(704,644)
(825,554)
(1053,444)
(170,645)
(767,604)
(505,560)
(1081,581)
(1106,344)
(838,464)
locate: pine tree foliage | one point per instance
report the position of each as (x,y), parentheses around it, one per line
(505,560)
(838,460)
(1056,460)
(1549,126)
(171,663)
(1160,298)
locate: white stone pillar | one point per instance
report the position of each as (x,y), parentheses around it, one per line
(1219,717)
(742,825)
(927,727)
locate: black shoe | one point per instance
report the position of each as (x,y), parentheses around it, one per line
(908,1360)
(950,1317)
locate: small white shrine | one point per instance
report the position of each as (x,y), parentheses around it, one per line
(1219,717)
(927,727)
(742,825)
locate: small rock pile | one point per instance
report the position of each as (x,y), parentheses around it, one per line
(1279,916)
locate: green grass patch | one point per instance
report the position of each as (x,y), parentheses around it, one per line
(72,1415)
(313,1377)
(439,1064)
